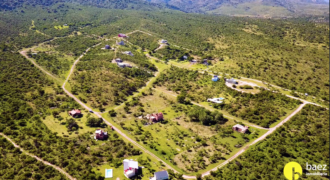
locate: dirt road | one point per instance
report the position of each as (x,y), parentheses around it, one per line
(24,53)
(271,130)
(39,159)
(98,114)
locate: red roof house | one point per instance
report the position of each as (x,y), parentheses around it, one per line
(155,117)
(75,113)
(122,35)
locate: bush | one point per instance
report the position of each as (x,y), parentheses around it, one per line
(112,113)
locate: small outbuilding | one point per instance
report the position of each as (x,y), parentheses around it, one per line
(130,168)
(163,41)
(100,135)
(184,57)
(129,53)
(216,100)
(75,113)
(118,60)
(215,78)
(161,175)
(240,128)
(107,47)
(121,43)
(123,65)
(231,81)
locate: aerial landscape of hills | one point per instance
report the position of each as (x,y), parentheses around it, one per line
(164,89)
(260,8)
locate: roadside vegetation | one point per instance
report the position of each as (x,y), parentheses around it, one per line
(12,158)
(100,83)
(144,41)
(289,143)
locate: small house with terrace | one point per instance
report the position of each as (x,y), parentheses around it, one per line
(240,128)
(75,113)
(156,117)
(100,135)
(131,168)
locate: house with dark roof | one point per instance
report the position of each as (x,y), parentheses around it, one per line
(121,43)
(161,175)
(215,78)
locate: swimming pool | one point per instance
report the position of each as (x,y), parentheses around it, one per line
(108,173)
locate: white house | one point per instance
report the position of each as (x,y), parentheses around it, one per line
(128,53)
(163,41)
(240,128)
(123,65)
(130,168)
(231,81)
(216,100)
(161,175)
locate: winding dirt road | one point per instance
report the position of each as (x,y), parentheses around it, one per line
(39,159)
(98,114)
(271,130)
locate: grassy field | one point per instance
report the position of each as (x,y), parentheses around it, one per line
(60,27)
(56,125)
(177,140)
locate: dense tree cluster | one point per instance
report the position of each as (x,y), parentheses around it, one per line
(52,62)
(102,83)
(17,165)
(24,105)
(144,41)
(304,139)
(75,45)
(171,52)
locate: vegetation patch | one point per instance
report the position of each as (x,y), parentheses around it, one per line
(289,143)
(263,108)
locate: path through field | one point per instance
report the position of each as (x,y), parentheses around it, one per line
(39,159)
